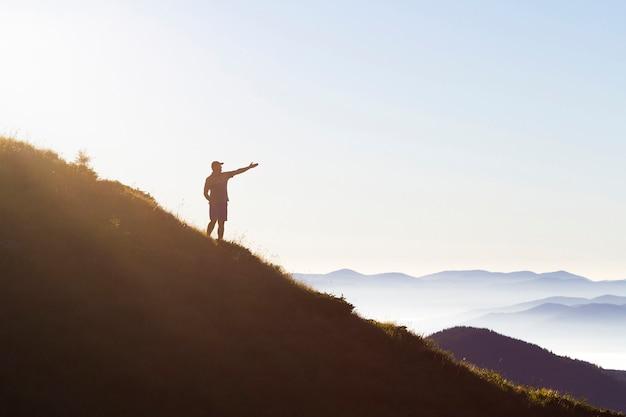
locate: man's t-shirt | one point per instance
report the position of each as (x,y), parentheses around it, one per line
(218,184)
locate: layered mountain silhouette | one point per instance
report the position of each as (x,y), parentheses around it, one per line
(113,307)
(567,301)
(589,330)
(591,313)
(529,364)
(527,282)
(476,276)
(452,292)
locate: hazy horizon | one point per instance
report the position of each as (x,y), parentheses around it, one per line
(521,306)
(448,270)
(410,137)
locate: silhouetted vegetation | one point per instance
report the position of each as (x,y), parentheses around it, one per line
(113,307)
(528,364)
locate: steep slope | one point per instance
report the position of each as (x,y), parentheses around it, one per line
(112,307)
(528,364)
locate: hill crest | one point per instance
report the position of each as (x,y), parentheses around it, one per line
(112,306)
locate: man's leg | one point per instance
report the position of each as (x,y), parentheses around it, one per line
(220,229)
(210,228)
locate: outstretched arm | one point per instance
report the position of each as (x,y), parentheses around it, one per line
(241,170)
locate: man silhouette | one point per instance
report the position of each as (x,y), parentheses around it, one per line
(215,190)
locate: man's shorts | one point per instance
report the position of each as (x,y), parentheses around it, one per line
(218,211)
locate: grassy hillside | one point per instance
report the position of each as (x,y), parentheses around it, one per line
(112,307)
(529,364)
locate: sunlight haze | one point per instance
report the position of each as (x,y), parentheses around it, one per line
(413,136)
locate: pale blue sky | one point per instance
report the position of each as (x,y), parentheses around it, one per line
(411,136)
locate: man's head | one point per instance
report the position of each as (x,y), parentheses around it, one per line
(216,166)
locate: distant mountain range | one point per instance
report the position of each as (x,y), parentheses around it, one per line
(564,312)
(564,282)
(595,313)
(529,364)
(567,301)
(493,277)
(586,327)
(454,292)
